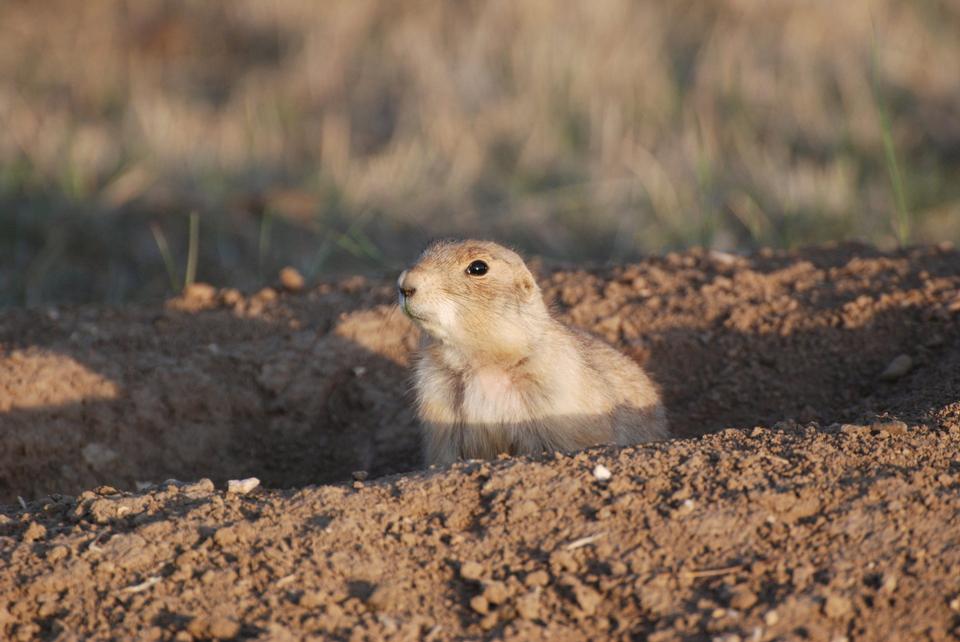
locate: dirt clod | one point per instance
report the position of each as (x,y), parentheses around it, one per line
(471,571)
(34,531)
(837,606)
(528,606)
(496,592)
(480,604)
(743,598)
(291,279)
(537,578)
(587,598)
(216,627)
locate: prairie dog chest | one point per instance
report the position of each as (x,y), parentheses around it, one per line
(495,395)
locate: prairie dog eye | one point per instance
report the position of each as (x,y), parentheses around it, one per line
(477,268)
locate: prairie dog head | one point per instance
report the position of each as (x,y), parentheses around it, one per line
(476,296)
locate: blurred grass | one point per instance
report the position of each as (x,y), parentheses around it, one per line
(339,136)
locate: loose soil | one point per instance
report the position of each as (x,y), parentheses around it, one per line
(813,492)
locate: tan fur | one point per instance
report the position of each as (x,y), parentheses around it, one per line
(498,374)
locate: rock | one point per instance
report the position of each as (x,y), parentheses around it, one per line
(602,473)
(743,598)
(242,486)
(900,366)
(291,279)
(471,571)
(360,475)
(890,582)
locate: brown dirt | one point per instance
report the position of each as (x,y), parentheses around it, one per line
(783,522)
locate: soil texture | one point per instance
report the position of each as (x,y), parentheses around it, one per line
(812,492)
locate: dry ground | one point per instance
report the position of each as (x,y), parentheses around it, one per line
(823,501)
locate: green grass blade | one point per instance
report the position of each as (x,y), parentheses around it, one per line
(192,250)
(161,240)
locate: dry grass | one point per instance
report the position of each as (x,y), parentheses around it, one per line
(337,135)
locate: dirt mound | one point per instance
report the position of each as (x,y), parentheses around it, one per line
(837,518)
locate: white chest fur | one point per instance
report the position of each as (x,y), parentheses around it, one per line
(492,395)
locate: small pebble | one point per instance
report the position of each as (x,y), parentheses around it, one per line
(889,583)
(360,475)
(900,366)
(743,598)
(471,571)
(242,486)
(291,279)
(602,473)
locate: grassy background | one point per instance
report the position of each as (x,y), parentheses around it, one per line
(339,136)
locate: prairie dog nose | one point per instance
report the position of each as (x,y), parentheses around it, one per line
(405,288)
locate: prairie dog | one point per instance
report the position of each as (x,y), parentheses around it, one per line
(498,374)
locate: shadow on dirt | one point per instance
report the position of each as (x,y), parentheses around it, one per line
(300,389)
(286,390)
